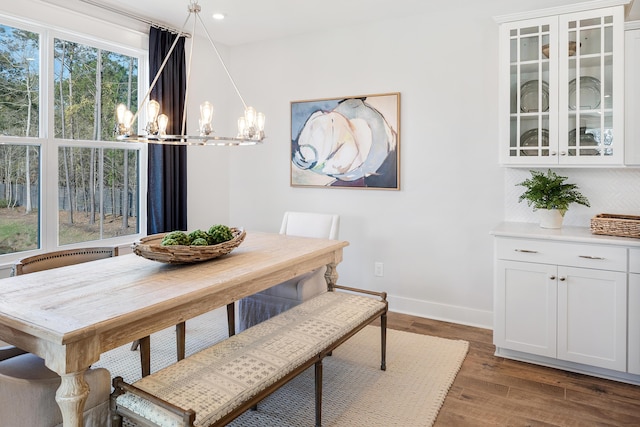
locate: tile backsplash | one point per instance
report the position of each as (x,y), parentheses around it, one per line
(609,190)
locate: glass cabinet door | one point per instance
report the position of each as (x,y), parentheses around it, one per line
(562,89)
(588,77)
(532,93)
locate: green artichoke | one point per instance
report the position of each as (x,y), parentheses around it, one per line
(198,234)
(178,236)
(169,242)
(219,233)
(199,242)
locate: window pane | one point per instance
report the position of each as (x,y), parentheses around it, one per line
(120,195)
(98,193)
(19,73)
(90,82)
(19,198)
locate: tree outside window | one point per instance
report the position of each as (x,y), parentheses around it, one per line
(97,181)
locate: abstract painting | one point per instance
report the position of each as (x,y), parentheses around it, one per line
(351,142)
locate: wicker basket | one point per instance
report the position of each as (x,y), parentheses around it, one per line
(616,225)
(149,247)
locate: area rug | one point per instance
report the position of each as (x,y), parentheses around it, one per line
(420,370)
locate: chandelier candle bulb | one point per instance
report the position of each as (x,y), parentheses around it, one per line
(261,119)
(250,116)
(153,108)
(120,110)
(163,122)
(206,115)
(242,124)
(124,118)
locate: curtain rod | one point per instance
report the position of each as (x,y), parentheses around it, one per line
(139,18)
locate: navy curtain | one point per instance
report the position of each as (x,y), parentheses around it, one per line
(167,172)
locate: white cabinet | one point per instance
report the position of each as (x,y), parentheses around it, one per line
(634,312)
(632,92)
(525,307)
(562,89)
(592,317)
(562,300)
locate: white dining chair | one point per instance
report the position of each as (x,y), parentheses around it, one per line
(27,386)
(263,305)
(28,390)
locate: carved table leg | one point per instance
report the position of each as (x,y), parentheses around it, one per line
(331,276)
(71,397)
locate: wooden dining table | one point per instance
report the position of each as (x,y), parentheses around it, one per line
(70,315)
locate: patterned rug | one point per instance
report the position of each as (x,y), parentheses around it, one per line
(420,370)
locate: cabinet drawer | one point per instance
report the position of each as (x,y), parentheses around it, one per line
(634,260)
(600,257)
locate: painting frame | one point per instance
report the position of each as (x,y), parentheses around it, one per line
(346,142)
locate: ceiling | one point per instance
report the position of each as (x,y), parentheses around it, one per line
(250,21)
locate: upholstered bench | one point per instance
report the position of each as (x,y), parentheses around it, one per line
(216,385)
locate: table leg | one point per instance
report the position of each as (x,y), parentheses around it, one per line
(71,397)
(231,318)
(331,276)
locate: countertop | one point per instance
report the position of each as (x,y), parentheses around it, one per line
(566,233)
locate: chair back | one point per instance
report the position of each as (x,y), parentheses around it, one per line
(62,258)
(309,224)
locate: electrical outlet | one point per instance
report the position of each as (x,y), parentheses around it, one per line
(378,269)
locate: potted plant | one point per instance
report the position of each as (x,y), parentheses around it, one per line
(551,196)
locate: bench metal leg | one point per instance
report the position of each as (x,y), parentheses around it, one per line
(231,318)
(145,355)
(181,337)
(319,393)
(383,341)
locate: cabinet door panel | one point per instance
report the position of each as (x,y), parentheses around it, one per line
(632,97)
(525,307)
(634,260)
(529,73)
(590,101)
(592,319)
(634,324)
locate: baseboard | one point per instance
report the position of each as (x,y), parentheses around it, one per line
(568,366)
(438,311)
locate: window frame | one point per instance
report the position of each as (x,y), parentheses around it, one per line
(49,145)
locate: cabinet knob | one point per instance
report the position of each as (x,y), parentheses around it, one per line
(526,251)
(562,278)
(552,277)
(553,153)
(563,153)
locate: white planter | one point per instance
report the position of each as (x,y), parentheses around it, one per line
(550,218)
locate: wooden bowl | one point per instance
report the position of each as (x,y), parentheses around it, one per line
(572,49)
(150,247)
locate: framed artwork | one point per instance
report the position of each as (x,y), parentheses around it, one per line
(351,142)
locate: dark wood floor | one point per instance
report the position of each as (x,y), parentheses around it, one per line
(492,391)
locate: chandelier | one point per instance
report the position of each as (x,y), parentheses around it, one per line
(250,125)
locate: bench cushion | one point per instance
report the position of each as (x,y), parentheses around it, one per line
(219,379)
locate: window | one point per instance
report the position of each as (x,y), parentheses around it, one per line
(64,179)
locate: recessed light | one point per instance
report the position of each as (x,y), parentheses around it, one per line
(219,16)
